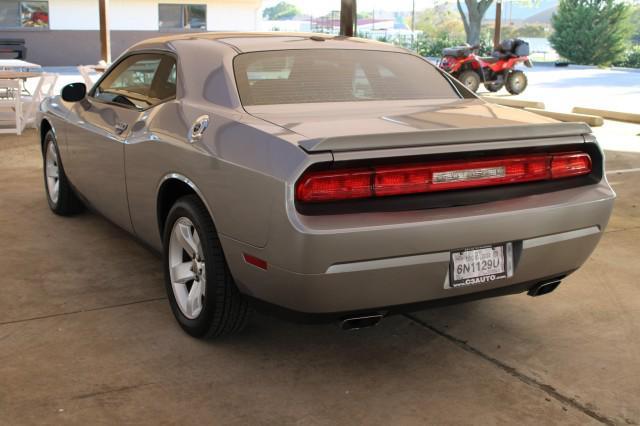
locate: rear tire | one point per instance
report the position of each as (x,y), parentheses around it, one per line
(60,196)
(202,294)
(470,79)
(516,82)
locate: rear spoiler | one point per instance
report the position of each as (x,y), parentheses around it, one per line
(444,137)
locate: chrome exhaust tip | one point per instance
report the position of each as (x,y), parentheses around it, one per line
(356,323)
(544,287)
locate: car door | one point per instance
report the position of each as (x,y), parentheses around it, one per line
(99,127)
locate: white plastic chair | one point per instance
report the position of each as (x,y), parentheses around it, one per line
(85,72)
(11,106)
(44,89)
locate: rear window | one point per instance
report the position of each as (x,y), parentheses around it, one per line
(313,76)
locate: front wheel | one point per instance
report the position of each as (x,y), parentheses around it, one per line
(60,196)
(470,79)
(202,294)
(516,82)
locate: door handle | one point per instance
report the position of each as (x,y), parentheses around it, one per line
(121,127)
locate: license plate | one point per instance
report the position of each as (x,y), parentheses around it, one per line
(480,265)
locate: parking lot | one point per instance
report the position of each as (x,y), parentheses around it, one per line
(87,336)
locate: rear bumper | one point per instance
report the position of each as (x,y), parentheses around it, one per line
(346,263)
(328,317)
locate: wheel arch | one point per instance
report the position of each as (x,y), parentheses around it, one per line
(172,187)
(45,127)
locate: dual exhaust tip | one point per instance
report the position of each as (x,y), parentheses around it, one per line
(365,321)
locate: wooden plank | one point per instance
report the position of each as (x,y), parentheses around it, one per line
(592,120)
(613,115)
(517,103)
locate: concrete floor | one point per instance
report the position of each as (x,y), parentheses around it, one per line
(87,336)
(562,88)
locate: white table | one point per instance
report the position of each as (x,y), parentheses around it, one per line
(17,64)
(14,95)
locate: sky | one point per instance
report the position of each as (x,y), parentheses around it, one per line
(321,7)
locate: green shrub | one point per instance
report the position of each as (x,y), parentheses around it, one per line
(631,58)
(591,32)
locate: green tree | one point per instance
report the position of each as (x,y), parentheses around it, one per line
(635,23)
(591,31)
(438,21)
(472,20)
(280,12)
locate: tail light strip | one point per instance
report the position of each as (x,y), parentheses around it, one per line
(403,179)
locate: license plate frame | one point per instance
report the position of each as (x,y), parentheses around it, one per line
(477,265)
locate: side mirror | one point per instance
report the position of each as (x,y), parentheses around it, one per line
(74,92)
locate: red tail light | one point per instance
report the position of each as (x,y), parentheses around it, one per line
(382,181)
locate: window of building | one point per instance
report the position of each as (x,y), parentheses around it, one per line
(182,16)
(24,14)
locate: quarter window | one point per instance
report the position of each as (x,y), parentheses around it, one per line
(24,14)
(139,81)
(182,16)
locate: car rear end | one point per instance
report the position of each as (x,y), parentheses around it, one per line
(377,221)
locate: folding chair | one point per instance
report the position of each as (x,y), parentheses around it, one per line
(11,106)
(44,89)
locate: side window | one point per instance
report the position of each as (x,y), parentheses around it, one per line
(140,81)
(165,87)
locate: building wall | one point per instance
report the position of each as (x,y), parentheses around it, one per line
(73,36)
(142,15)
(74,47)
(73,15)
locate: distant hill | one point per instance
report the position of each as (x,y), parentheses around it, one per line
(519,11)
(543,17)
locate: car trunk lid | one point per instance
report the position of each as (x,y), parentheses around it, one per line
(349,126)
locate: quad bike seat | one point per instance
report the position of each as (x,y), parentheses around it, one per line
(458,51)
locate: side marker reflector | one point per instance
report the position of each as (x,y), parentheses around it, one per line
(255,261)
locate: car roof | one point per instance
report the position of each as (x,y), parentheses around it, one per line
(261,41)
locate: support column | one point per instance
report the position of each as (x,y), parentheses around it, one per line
(348,18)
(498,24)
(105,37)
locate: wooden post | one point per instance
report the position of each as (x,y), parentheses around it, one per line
(348,18)
(105,38)
(498,24)
(413,25)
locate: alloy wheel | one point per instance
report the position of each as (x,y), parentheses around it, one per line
(52,171)
(187,268)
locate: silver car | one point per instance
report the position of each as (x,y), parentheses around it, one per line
(323,178)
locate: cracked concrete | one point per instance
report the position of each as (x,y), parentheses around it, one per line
(86,335)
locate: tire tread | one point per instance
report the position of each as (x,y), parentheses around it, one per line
(231,311)
(68,202)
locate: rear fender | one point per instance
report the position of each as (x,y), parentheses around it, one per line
(498,66)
